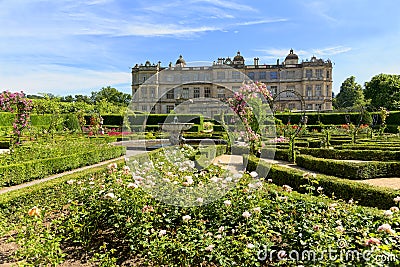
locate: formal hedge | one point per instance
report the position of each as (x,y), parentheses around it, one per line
(349,169)
(369,147)
(49,192)
(14,174)
(351,154)
(265,153)
(364,194)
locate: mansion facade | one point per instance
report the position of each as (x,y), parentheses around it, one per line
(294,85)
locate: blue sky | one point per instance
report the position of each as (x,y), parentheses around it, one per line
(75,47)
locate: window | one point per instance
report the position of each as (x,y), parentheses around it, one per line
(207,92)
(201,76)
(170,108)
(290,94)
(143,93)
(274,90)
(262,75)
(309,106)
(308,73)
(144,108)
(318,106)
(220,75)
(195,77)
(235,88)
(290,74)
(170,94)
(273,75)
(196,92)
(309,91)
(318,73)
(328,74)
(251,75)
(153,92)
(185,77)
(327,90)
(292,106)
(221,92)
(235,75)
(185,93)
(318,90)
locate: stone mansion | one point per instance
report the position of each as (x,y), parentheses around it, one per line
(160,89)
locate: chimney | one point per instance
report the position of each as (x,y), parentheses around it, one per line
(277,62)
(256,61)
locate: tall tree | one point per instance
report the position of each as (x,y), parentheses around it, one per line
(350,95)
(384,91)
(111,95)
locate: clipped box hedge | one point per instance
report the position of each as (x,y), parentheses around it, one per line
(350,154)
(265,153)
(364,194)
(369,147)
(19,173)
(351,170)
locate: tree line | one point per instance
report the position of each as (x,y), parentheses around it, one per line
(383,91)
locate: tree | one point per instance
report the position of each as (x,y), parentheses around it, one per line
(111,95)
(350,95)
(83,98)
(384,91)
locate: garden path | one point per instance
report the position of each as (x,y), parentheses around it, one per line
(392,182)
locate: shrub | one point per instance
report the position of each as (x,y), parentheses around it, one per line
(72,123)
(28,170)
(364,194)
(351,154)
(350,170)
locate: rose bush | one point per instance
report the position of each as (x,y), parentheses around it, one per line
(112,215)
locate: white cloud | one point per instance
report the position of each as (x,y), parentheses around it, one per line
(61,80)
(264,21)
(274,53)
(227,4)
(332,50)
(149,30)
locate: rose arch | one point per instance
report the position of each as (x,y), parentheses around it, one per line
(18,104)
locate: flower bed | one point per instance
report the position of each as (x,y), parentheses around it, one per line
(110,216)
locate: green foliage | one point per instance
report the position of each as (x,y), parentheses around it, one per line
(363,194)
(72,123)
(111,95)
(384,91)
(352,154)
(350,170)
(39,160)
(350,95)
(130,224)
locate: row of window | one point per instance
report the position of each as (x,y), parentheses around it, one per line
(290,74)
(309,90)
(260,75)
(291,106)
